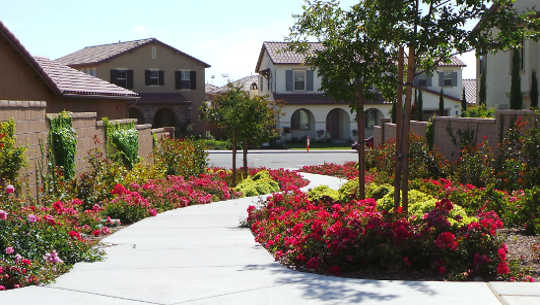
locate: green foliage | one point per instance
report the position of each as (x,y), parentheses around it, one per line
(349,191)
(475,165)
(63,144)
(534,91)
(378,191)
(516,96)
(419,114)
(323,192)
(430,134)
(216,144)
(480,111)
(11,156)
(122,142)
(530,213)
(393,112)
(483,89)
(258,184)
(182,157)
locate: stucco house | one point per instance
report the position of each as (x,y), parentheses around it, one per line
(28,78)
(307,111)
(170,82)
(498,67)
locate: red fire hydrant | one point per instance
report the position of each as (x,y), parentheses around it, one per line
(307,143)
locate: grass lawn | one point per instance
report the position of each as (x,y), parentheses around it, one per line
(319,146)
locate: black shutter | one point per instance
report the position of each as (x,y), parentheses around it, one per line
(454,79)
(177,79)
(147,77)
(114,76)
(309,79)
(441,79)
(161,79)
(193,78)
(130,79)
(289,80)
(429,80)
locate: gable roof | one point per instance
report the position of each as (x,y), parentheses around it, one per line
(100,53)
(244,83)
(62,80)
(470,90)
(280,54)
(69,81)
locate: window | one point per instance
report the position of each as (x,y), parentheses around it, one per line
(122,78)
(299,80)
(448,79)
(154,53)
(301,120)
(423,80)
(153,78)
(186,79)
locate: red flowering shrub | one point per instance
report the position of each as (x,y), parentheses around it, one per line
(327,237)
(347,170)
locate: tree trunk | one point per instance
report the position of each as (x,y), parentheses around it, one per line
(234,159)
(244,155)
(399,117)
(360,121)
(406,128)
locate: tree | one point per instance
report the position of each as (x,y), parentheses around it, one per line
(516,96)
(534,91)
(463,102)
(420,107)
(351,63)
(441,103)
(483,90)
(433,31)
(246,120)
(394,109)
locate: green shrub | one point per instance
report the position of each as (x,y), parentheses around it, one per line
(349,191)
(323,192)
(63,143)
(529,214)
(122,143)
(378,191)
(11,156)
(478,112)
(475,166)
(258,184)
(182,157)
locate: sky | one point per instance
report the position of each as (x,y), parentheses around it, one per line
(226,34)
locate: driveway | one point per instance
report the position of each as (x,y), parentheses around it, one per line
(282,158)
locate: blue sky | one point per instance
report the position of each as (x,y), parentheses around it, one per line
(225,34)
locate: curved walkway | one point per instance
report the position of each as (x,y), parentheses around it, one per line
(199,255)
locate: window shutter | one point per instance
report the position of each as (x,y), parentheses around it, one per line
(193,78)
(309,80)
(289,80)
(441,79)
(146,77)
(177,78)
(429,80)
(114,75)
(161,79)
(130,79)
(454,79)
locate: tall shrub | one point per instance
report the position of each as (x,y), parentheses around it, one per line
(63,143)
(182,157)
(483,90)
(516,97)
(122,143)
(534,91)
(463,102)
(420,107)
(441,103)
(11,156)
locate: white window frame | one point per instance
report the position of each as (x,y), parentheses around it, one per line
(303,72)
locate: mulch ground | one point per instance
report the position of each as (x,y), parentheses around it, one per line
(523,248)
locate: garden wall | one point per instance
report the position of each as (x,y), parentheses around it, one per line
(32,128)
(449,131)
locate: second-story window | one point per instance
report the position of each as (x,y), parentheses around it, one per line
(122,78)
(448,79)
(154,78)
(299,80)
(186,79)
(423,80)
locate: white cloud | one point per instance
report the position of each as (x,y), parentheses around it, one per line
(140,30)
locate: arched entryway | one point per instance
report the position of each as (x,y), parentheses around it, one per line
(373,117)
(302,119)
(164,118)
(134,113)
(338,125)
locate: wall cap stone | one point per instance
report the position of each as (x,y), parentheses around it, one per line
(465,120)
(22,104)
(116,122)
(143,126)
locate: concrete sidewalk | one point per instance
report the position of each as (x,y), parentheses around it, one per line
(199,255)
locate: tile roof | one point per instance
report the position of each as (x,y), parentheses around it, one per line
(470,90)
(434,92)
(100,53)
(244,83)
(63,80)
(316,99)
(74,82)
(280,54)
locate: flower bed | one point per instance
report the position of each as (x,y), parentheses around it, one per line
(40,242)
(347,170)
(358,236)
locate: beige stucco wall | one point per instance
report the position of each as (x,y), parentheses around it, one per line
(167,60)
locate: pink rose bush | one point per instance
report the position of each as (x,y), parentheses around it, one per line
(334,237)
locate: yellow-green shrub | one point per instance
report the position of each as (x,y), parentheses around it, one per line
(259,184)
(323,192)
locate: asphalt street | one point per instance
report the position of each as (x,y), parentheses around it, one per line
(281,159)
